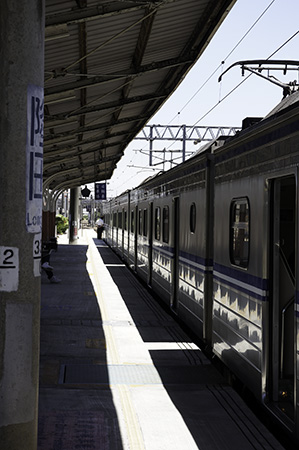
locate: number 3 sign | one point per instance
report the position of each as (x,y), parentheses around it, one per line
(9,269)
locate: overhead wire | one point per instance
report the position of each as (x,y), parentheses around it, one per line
(246,78)
(227,56)
(130,166)
(221,66)
(208,79)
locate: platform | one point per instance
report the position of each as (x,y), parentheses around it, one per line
(118,373)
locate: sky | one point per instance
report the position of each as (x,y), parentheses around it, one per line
(254,29)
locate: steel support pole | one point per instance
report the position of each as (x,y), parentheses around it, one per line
(74,215)
(21,136)
(92,212)
(184,144)
(151,147)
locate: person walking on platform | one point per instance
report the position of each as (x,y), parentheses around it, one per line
(100,227)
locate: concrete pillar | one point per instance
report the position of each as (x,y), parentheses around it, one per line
(21,136)
(66,203)
(74,215)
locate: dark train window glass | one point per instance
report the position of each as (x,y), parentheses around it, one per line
(120,224)
(125,220)
(239,232)
(140,221)
(145,222)
(165,227)
(192,218)
(158,223)
(114,219)
(132,222)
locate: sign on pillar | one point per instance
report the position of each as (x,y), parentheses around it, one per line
(9,269)
(34,150)
(37,254)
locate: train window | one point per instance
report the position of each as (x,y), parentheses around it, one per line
(125,220)
(239,232)
(140,221)
(165,224)
(120,217)
(132,222)
(192,218)
(114,219)
(158,223)
(145,222)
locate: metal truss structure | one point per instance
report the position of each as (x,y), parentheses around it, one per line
(185,134)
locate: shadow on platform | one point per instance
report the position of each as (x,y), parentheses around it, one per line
(73,417)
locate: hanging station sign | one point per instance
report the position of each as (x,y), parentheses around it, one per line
(100,191)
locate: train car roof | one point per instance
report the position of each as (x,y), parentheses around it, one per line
(288,102)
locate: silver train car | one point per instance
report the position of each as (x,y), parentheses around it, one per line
(217,239)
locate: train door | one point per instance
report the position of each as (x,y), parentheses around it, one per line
(127,226)
(176,236)
(150,243)
(282,295)
(136,238)
(118,231)
(114,230)
(122,232)
(131,238)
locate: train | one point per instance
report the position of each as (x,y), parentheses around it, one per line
(216,237)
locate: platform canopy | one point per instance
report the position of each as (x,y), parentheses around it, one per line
(109,66)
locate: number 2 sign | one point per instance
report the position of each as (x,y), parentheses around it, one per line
(9,269)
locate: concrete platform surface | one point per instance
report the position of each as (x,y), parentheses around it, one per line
(118,373)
